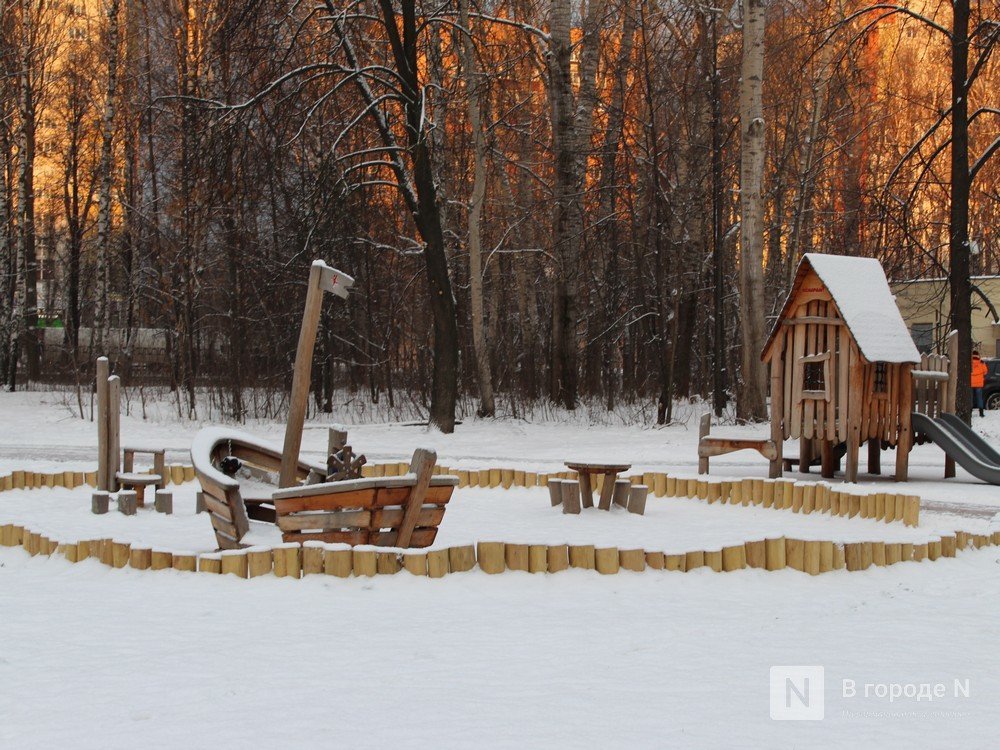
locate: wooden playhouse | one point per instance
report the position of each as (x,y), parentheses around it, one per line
(840,359)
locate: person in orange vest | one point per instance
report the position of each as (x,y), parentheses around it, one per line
(979,371)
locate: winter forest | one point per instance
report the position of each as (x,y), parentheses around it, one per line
(560,202)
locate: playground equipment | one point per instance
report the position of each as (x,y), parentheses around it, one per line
(844,371)
(401,511)
(116,463)
(236,471)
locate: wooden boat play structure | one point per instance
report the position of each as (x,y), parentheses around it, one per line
(402,511)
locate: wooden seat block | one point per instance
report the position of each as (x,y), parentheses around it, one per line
(99,502)
(637,499)
(555,492)
(570,496)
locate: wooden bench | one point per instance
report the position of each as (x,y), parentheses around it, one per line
(709,446)
(402,511)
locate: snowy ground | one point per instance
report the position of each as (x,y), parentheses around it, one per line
(105,658)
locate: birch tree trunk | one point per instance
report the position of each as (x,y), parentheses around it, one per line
(480,344)
(106,171)
(751,404)
(25,309)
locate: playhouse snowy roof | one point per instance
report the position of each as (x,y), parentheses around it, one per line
(862,295)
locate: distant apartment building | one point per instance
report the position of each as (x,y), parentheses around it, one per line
(926,309)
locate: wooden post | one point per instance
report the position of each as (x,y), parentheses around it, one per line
(827,461)
(516,556)
(210,563)
(634,559)
(160,559)
(555,492)
(855,394)
(713,559)
(259,561)
(654,560)
(811,557)
(904,443)
(795,554)
(114,430)
(234,562)
(101,384)
(186,562)
(704,428)
(423,466)
(364,561)
(581,556)
(637,499)
(874,456)
(321,277)
(538,561)
(570,496)
(164,502)
(621,493)
(415,564)
(387,563)
(312,558)
(461,559)
(756,553)
(606,560)
(692,560)
(734,558)
(490,556)
(557,557)
(338,561)
(140,558)
(99,502)
(777,406)
(437,563)
(675,562)
(119,553)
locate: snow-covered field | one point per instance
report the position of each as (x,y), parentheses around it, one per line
(103,658)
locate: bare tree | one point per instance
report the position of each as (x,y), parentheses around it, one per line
(752,404)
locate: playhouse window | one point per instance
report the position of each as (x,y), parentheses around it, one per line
(881,381)
(816,376)
(813,376)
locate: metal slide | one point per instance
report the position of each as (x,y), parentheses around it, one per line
(969,450)
(986,451)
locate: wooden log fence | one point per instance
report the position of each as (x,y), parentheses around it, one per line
(296,560)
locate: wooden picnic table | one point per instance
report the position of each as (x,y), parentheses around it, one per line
(586,470)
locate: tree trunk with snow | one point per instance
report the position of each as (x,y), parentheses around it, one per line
(106,172)
(751,403)
(473,80)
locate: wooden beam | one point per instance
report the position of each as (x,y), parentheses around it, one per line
(423,466)
(813,320)
(114,431)
(101,384)
(321,278)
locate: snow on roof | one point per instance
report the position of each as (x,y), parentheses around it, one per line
(861,291)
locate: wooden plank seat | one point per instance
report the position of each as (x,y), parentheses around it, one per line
(129,478)
(228,509)
(403,511)
(709,446)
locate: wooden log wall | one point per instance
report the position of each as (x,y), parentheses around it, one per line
(295,560)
